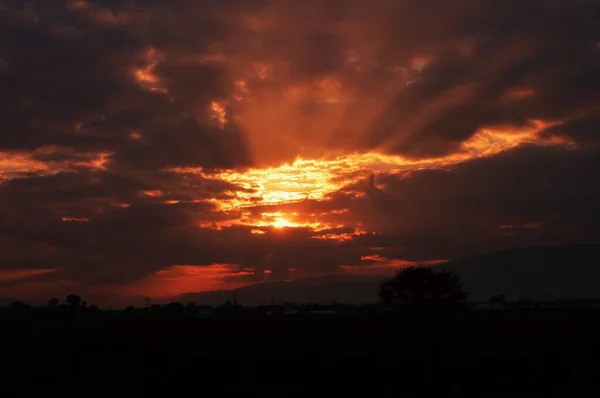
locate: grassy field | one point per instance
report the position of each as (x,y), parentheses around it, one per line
(483,352)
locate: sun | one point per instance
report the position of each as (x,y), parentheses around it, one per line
(282,223)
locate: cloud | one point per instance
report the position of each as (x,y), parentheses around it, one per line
(460,210)
(149,138)
(582,128)
(17,275)
(77,75)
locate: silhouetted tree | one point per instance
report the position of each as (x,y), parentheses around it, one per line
(19,309)
(73,300)
(423,286)
(53,302)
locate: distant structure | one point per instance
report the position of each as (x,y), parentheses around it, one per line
(234,298)
(371,186)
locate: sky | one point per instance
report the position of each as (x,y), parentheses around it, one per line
(153,148)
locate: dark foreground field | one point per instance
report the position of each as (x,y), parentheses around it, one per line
(481,352)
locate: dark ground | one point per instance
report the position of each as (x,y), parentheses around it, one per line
(483,352)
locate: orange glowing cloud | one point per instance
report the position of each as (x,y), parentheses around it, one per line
(19,275)
(20,163)
(146,77)
(181,279)
(219,113)
(75,219)
(317,179)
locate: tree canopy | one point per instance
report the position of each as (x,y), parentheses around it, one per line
(423,286)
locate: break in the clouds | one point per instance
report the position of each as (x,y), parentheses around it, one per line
(158,147)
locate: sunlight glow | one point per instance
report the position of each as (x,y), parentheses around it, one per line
(283,223)
(319,180)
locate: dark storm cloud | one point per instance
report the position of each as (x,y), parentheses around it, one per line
(186,143)
(525,196)
(68,80)
(549,48)
(54,78)
(72,63)
(124,245)
(100,194)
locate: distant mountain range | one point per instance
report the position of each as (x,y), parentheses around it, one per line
(342,288)
(539,273)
